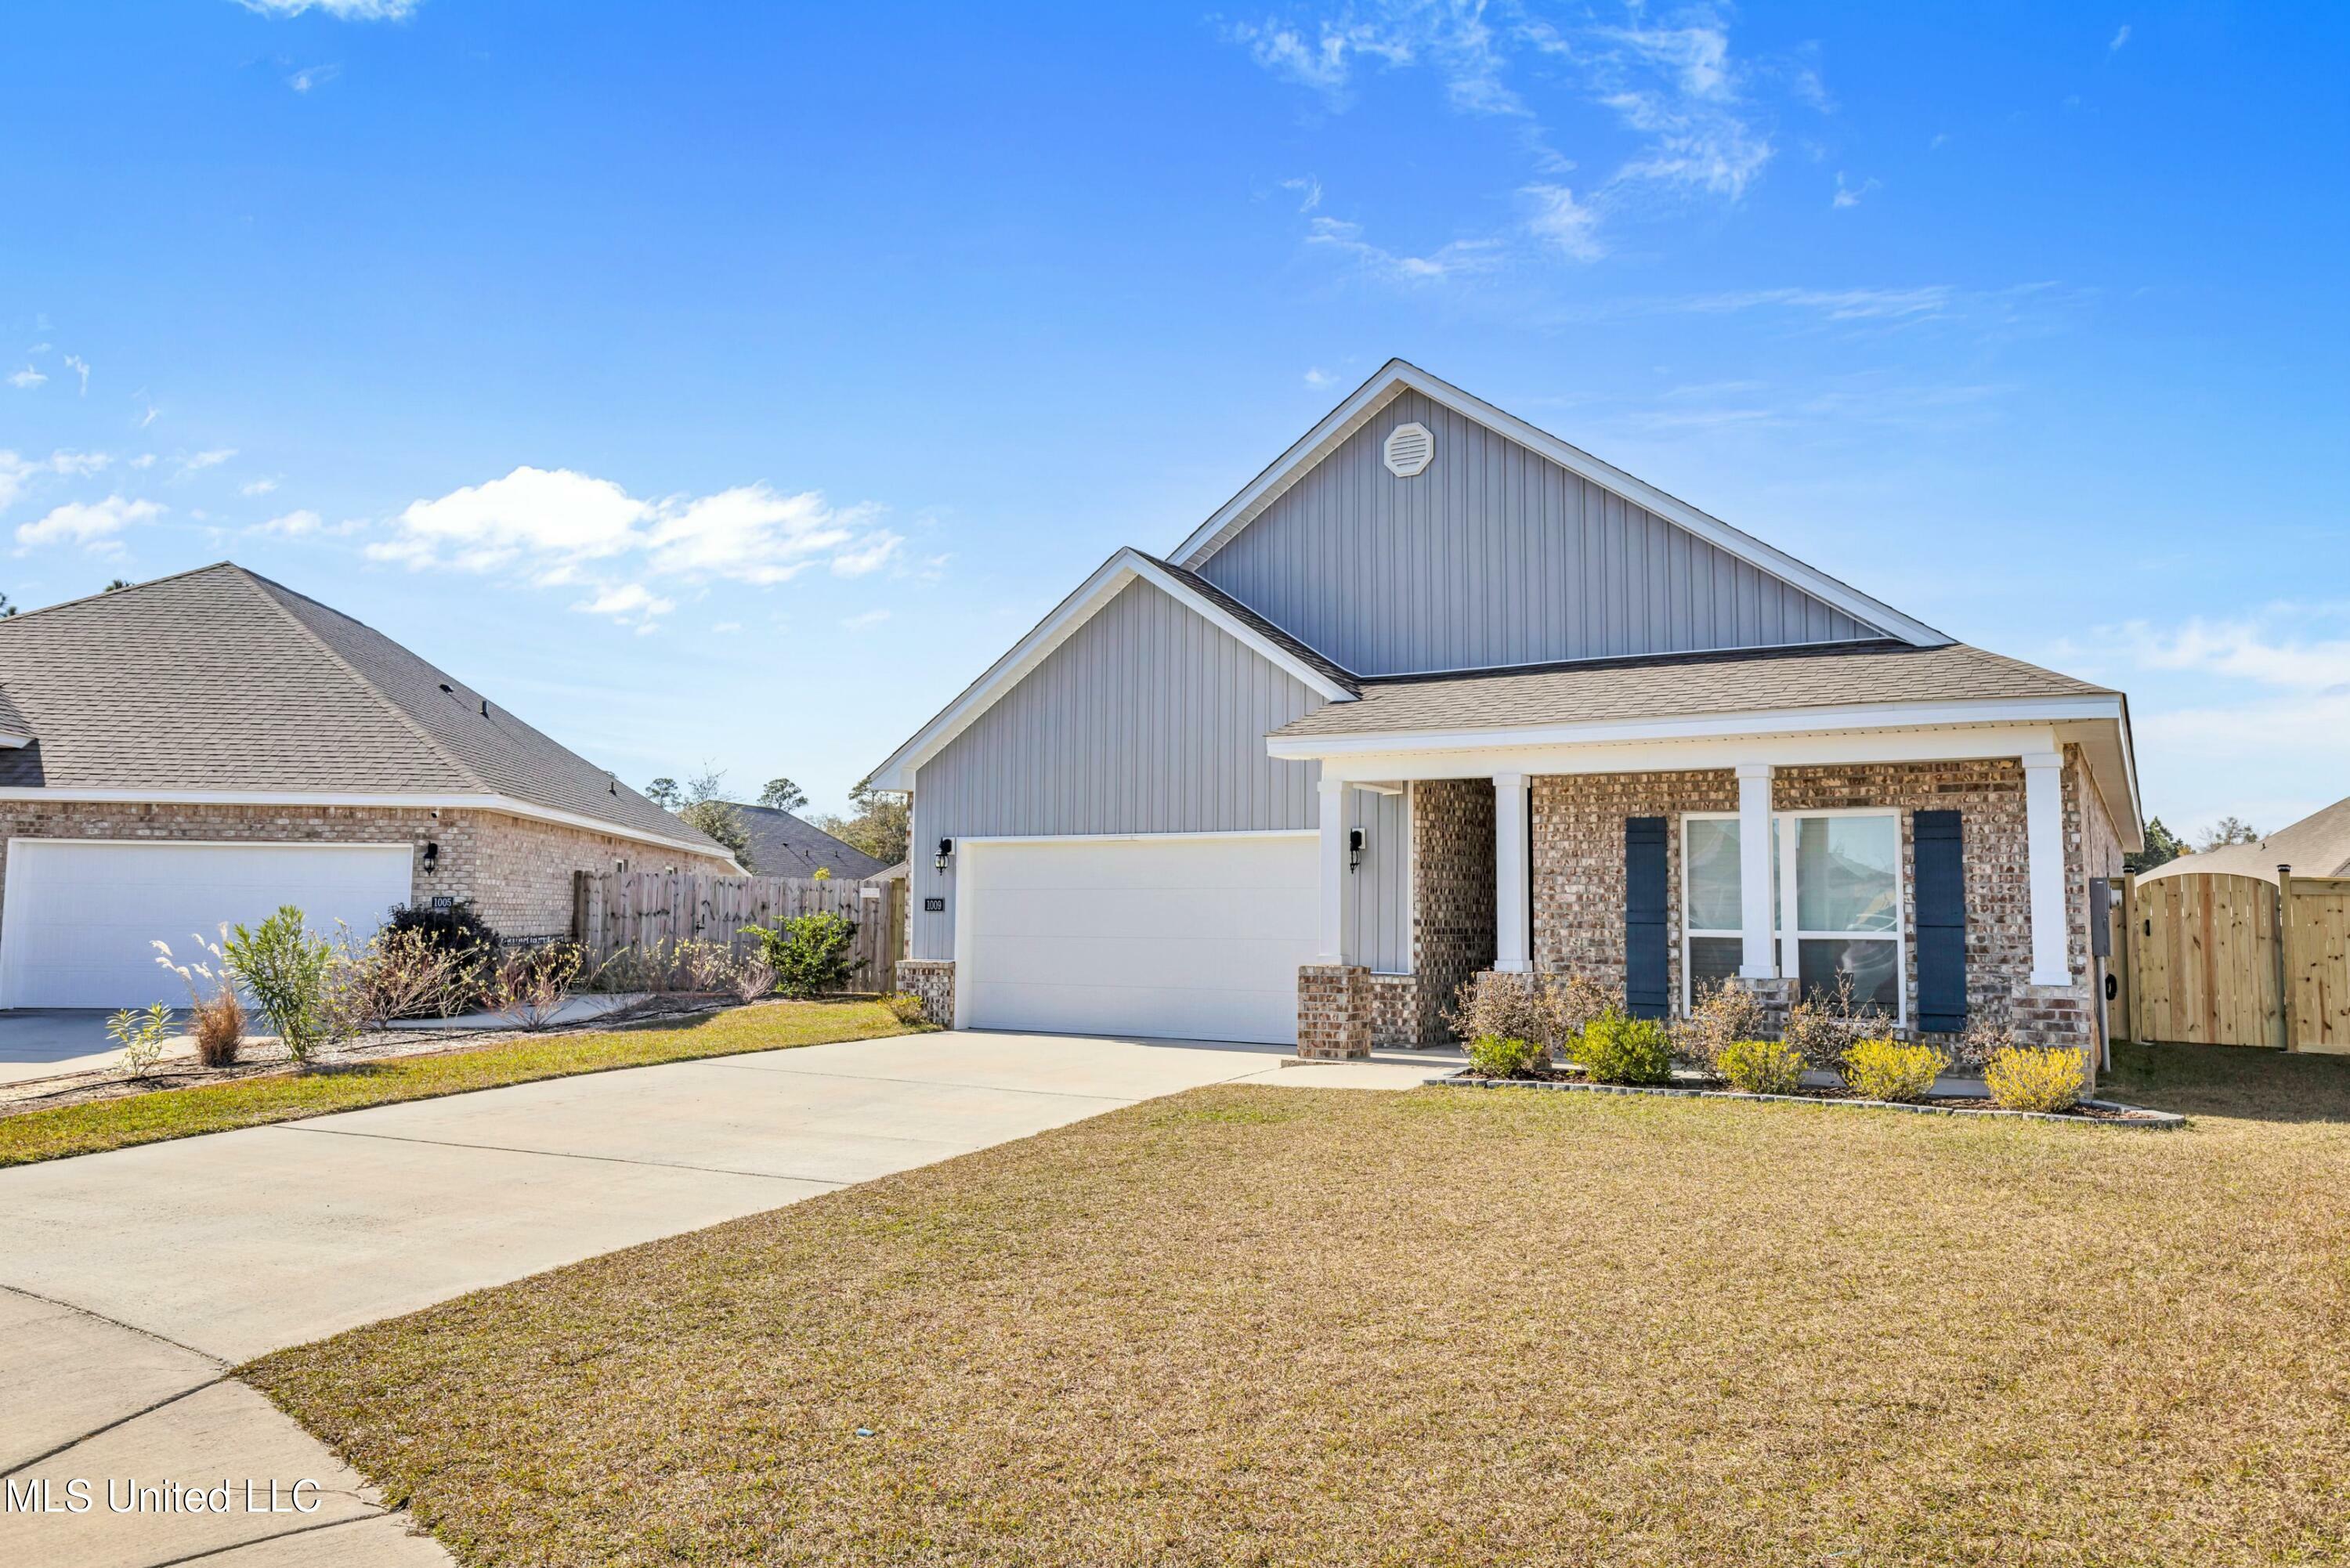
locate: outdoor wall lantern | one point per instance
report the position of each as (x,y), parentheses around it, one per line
(431,855)
(1357,839)
(946,848)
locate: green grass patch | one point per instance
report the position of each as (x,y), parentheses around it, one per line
(284,1097)
(1291,1326)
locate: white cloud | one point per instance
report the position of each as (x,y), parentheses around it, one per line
(257,487)
(1308,189)
(1457,257)
(28,378)
(1850,195)
(347,10)
(630,604)
(2246,649)
(1563,222)
(15,471)
(1317,376)
(151,411)
(1835,303)
(79,366)
(871,617)
(726,628)
(548,524)
(2119,39)
(310,76)
(205,460)
(292,526)
(91,524)
(144,459)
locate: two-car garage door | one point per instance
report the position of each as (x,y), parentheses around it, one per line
(80,919)
(1186,937)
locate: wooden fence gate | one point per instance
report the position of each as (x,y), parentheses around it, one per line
(612,911)
(2221,960)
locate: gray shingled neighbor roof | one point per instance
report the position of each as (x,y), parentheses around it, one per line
(1685,685)
(218,679)
(783,845)
(2316,846)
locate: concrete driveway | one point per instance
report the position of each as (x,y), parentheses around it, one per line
(130,1282)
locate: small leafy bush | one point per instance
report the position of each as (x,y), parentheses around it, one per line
(810,953)
(215,1013)
(1620,1049)
(906,1007)
(1761,1066)
(527,986)
(1544,1009)
(459,928)
(1981,1040)
(2034,1078)
(141,1037)
(403,974)
(289,971)
(1888,1070)
(1501,1056)
(1727,1016)
(1824,1027)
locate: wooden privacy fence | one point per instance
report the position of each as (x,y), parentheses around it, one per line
(2220,960)
(613,911)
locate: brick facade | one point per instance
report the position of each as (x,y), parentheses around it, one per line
(1453,897)
(515,871)
(1333,1011)
(932,980)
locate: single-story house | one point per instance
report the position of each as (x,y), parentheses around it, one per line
(1437,693)
(207,746)
(782,845)
(2316,846)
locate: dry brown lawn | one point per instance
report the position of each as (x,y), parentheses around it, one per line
(1273,1326)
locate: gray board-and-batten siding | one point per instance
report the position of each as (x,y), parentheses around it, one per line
(1493,556)
(1149,718)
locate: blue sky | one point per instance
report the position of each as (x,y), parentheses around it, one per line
(728,385)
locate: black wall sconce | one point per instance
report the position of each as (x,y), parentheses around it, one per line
(431,857)
(1357,841)
(946,849)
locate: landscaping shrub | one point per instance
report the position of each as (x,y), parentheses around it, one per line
(1982,1039)
(1725,1016)
(289,971)
(810,953)
(906,1007)
(527,986)
(1888,1070)
(1822,1027)
(754,977)
(2034,1078)
(1761,1066)
(1544,1009)
(460,932)
(1617,1049)
(404,974)
(141,1037)
(1503,1056)
(215,1013)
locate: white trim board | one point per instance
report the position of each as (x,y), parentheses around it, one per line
(507,804)
(1398,376)
(1095,593)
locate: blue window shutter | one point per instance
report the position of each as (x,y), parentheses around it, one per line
(1941,922)
(1646,943)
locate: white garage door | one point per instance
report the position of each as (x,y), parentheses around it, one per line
(79,918)
(1182,938)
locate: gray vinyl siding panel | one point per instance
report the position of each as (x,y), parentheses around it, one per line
(1149,718)
(1379,890)
(1495,555)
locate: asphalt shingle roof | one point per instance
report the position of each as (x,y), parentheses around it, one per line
(783,845)
(2316,846)
(1686,685)
(220,678)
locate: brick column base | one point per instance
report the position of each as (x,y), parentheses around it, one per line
(1333,1011)
(1773,996)
(2059,1015)
(932,981)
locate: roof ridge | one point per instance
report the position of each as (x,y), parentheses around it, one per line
(127,588)
(1652,660)
(269,590)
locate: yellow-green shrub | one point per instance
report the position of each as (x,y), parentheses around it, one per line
(1506,1056)
(2032,1078)
(1888,1070)
(1761,1066)
(1616,1049)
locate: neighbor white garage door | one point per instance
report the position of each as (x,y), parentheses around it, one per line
(79,918)
(1187,938)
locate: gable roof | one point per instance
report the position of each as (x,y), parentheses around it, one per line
(1398,376)
(1219,609)
(2316,846)
(783,845)
(218,680)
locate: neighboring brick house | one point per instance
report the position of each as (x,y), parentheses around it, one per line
(1437,694)
(206,746)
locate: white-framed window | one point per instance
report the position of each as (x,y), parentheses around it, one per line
(1838,916)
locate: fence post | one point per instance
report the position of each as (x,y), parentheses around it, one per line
(579,907)
(2285,970)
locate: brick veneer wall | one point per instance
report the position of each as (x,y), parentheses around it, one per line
(932,981)
(1333,1011)
(1453,897)
(1578,880)
(517,872)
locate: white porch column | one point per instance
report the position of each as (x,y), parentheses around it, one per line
(1513,879)
(2043,821)
(1333,820)
(1756,960)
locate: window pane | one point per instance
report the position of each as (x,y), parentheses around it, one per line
(1874,967)
(1845,874)
(1712,960)
(1713,876)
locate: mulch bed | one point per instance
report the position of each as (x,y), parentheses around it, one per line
(2087,1110)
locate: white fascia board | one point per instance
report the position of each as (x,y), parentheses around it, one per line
(14,742)
(1091,596)
(1691,753)
(1398,376)
(1709,726)
(507,804)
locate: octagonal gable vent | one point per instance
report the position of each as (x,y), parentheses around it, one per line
(1410,450)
